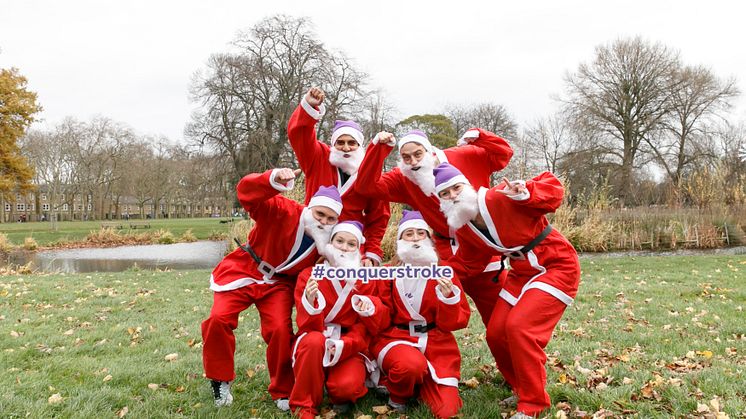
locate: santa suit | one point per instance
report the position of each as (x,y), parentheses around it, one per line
(538,287)
(416,359)
(313,158)
(328,322)
(484,154)
(279,239)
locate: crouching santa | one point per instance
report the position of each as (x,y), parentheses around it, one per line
(286,238)
(509,221)
(332,342)
(413,319)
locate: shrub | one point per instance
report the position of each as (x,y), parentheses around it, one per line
(188,237)
(30,244)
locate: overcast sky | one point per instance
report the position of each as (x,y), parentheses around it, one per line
(132,61)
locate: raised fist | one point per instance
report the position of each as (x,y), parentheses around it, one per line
(284,176)
(386,138)
(315,96)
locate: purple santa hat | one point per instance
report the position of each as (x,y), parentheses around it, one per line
(446,176)
(350,128)
(416,136)
(327,196)
(411,219)
(353,227)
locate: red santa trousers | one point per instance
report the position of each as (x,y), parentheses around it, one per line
(275,304)
(484,292)
(345,381)
(517,336)
(407,371)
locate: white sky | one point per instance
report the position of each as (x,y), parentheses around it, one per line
(132,61)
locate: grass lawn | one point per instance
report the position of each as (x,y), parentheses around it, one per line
(202,228)
(647,337)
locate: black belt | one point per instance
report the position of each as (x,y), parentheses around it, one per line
(419,328)
(523,250)
(262,266)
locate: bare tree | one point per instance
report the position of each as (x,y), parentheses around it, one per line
(247,97)
(489,116)
(548,140)
(623,95)
(697,99)
(51,155)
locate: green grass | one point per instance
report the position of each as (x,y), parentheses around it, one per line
(202,228)
(662,334)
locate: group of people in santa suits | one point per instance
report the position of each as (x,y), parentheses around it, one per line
(392,334)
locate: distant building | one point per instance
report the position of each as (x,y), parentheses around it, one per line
(40,206)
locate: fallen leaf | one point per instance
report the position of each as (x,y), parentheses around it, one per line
(121,413)
(108,378)
(364,417)
(54,398)
(627,381)
(702,408)
(560,415)
(381,410)
(715,403)
(69,332)
(472,382)
(705,354)
(153,386)
(172,357)
(14,334)
(250,373)
(180,389)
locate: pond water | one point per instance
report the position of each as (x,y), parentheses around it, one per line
(197,255)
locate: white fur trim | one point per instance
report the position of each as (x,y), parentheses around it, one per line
(418,223)
(414,138)
(468,137)
(371,255)
(349,228)
(352,132)
(311,111)
(450,182)
(367,313)
(237,283)
(310,309)
(325,201)
(295,347)
(455,298)
(522,196)
(279,186)
(328,359)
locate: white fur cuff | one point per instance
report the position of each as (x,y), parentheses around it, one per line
(523,196)
(311,111)
(310,309)
(328,359)
(455,298)
(279,186)
(367,313)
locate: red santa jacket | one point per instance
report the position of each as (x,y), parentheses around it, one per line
(332,314)
(424,306)
(477,160)
(276,236)
(313,157)
(552,266)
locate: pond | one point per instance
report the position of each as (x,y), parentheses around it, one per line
(197,255)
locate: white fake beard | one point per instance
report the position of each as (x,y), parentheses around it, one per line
(318,232)
(341,259)
(421,253)
(424,176)
(348,164)
(461,210)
